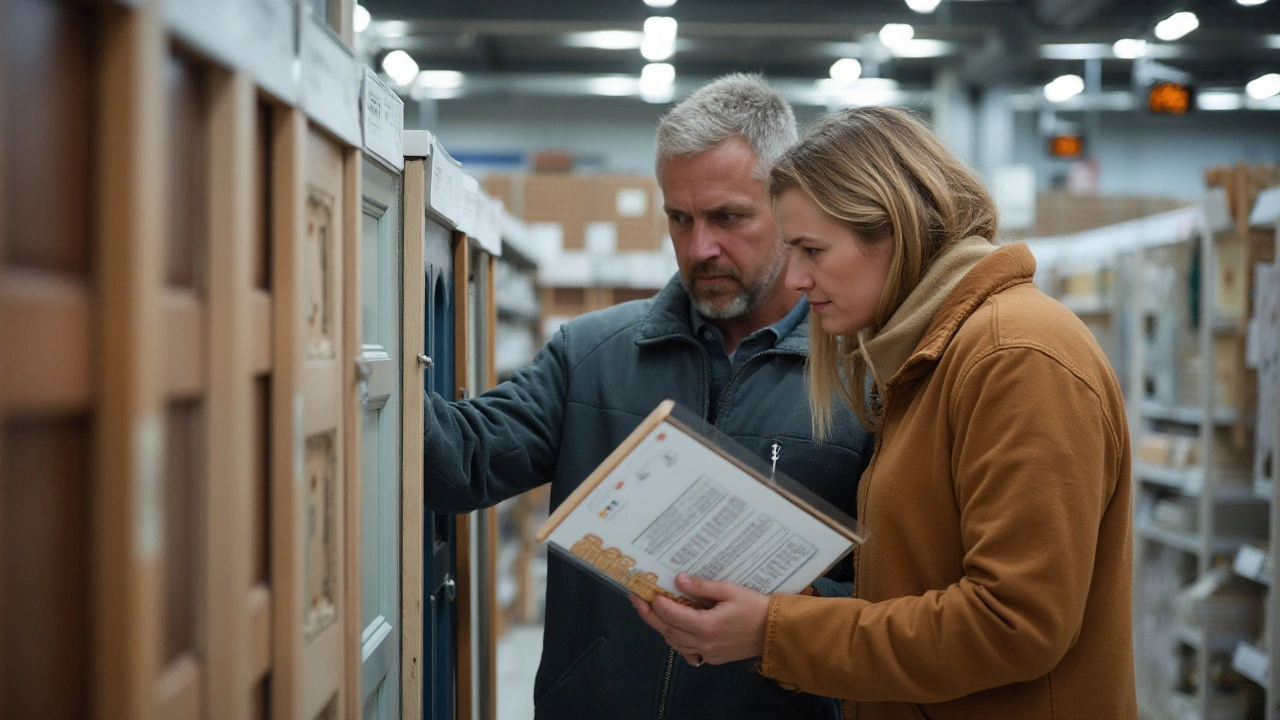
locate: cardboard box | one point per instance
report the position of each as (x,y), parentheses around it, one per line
(632,204)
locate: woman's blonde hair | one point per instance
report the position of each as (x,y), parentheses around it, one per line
(881,171)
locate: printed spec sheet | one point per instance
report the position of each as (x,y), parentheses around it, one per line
(677,505)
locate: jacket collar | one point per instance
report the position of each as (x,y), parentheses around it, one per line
(668,319)
(1007,266)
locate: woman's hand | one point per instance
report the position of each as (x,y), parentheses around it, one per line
(731,629)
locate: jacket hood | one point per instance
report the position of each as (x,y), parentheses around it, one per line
(667,318)
(1007,266)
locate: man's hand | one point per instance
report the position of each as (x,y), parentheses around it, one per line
(732,628)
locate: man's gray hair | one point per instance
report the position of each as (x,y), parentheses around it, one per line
(738,104)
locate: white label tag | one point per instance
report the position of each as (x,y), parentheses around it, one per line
(600,238)
(1248,562)
(445,193)
(330,83)
(148,444)
(631,202)
(383,121)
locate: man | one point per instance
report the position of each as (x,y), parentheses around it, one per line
(726,339)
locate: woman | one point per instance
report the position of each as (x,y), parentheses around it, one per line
(996,579)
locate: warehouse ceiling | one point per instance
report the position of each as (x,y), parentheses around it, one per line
(554,46)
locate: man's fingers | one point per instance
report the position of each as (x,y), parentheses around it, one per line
(673,613)
(649,616)
(710,590)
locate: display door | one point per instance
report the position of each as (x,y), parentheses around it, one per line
(50,415)
(439,530)
(379,370)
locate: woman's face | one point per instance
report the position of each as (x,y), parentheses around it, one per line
(841,272)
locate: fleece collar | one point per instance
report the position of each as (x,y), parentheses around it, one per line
(1003,268)
(891,347)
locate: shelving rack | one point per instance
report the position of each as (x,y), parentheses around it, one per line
(1250,659)
(1145,308)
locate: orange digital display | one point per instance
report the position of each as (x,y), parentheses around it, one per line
(1066,146)
(1171,98)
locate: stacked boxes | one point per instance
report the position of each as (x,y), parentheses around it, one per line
(590,209)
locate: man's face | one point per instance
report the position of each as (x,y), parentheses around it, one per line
(721,223)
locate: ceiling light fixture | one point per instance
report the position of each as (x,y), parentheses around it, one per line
(896,34)
(614,85)
(1063,88)
(1250,3)
(400,67)
(660,3)
(360,18)
(1219,100)
(923,6)
(440,79)
(923,48)
(606,39)
(1129,48)
(1177,25)
(1261,88)
(659,38)
(846,70)
(656,81)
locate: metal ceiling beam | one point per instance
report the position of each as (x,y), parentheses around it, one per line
(1066,13)
(760,12)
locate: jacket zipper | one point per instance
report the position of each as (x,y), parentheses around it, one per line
(724,394)
(706,407)
(666,684)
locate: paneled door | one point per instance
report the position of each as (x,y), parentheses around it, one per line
(379,369)
(429,587)
(439,569)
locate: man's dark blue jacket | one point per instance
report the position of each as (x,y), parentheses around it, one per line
(556,420)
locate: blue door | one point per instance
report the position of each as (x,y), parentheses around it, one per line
(439,618)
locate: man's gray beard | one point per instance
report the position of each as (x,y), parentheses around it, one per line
(741,303)
(745,300)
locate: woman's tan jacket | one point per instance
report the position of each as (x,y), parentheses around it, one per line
(996,580)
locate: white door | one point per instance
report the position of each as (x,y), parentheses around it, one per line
(380,248)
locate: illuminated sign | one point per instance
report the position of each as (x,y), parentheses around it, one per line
(1066,146)
(1171,98)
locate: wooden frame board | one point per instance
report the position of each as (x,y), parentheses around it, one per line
(463,534)
(288,153)
(128,423)
(414,384)
(353,199)
(228,497)
(489,579)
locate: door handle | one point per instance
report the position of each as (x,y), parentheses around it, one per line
(426,362)
(364,370)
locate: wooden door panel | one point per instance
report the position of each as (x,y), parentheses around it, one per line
(319,311)
(260,527)
(182,490)
(47,353)
(261,194)
(187,203)
(326,378)
(45,556)
(46,118)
